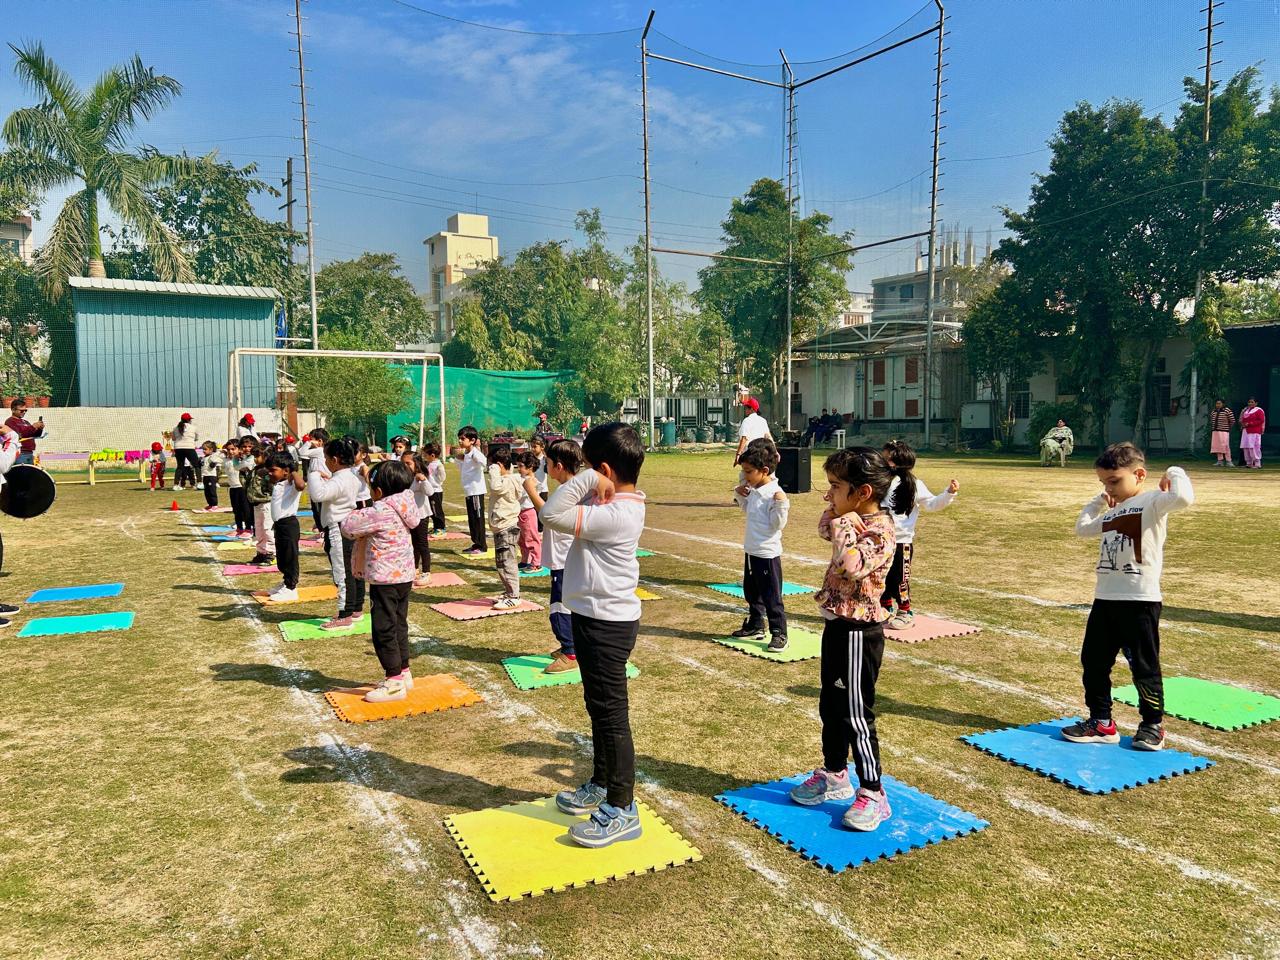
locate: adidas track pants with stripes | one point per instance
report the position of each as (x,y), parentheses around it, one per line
(851,655)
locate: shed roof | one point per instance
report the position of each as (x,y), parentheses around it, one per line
(114,284)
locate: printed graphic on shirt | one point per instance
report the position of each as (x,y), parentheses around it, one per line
(1122,541)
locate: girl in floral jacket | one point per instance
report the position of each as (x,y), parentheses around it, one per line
(862,548)
(383,558)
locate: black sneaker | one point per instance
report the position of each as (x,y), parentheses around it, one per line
(8,609)
(747,630)
(777,643)
(262,559)
(4,622)
(1092,731)
(1149,736)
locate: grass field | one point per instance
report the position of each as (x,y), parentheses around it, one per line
(183,790)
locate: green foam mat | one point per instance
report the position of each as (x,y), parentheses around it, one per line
(309,629)
(527,672)
(801,645)
(1217,705)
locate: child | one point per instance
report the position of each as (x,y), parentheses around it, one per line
(603,512)
(210,464)
(530,539)
(504,514)
(258,492)
(435,473)
(156,461)
(1127,601)
(422,488)
(766,507)
(286,492)
(335,485)
(364,499)
(315,440)
(399,447)
(907,494)
(471,464)
(564,461)
(240,509)
(861,535)
(383,557)
(538,447)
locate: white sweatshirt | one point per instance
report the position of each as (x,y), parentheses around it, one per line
(601,571)
(471,469)
(435,470)
(284,500)
(231,467)
(210,464)
(421,492)
(337,495)
(765,519)
(1133,532)
(904,525)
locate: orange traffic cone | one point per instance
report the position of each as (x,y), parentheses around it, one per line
(174,506)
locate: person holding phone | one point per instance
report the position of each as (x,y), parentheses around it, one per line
(26,431)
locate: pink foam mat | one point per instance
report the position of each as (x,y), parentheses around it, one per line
(444,580)
(930,628)
(479,608)
(245,569)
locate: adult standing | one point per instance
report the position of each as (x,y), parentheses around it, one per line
(543,427)
(1253,424)
(186,461)
(245,428)
(1221,420)
(27,432)
(753,427)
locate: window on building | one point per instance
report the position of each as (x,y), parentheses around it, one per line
(911,372)
(907,291)
(1020,400)
(913,408)
(877,409)
(877,373)
(797,399)
(437,286)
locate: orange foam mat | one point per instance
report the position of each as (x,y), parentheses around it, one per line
(440,691)
(444,579)
(305,595)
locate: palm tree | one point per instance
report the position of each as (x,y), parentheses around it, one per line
(73,135)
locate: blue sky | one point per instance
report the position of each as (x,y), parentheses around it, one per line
(414,116)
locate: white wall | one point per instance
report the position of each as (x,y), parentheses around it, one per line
(89,429)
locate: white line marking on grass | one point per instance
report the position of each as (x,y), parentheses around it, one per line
(470,934)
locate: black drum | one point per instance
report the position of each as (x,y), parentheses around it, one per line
(27,492)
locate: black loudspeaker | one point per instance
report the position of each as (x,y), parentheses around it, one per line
(794,469)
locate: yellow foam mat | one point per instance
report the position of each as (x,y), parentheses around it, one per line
(522,850)
(644,594)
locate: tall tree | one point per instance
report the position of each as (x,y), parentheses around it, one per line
(72,135)
(370,298)
(751,299)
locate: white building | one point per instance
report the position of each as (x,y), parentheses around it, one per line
(462,248)
(15,238)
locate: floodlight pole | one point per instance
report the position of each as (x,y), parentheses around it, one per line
(930,299)
(648,229)
(306,175)
(790,118)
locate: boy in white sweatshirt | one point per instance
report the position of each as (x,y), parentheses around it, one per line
(333,483)
(604,513)
(766,507)
(471,469)
(1127,599)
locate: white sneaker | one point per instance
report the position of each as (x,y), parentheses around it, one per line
(392,688)
(283,594)
(506,603)
(406,678)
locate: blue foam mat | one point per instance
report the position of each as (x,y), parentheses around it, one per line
(735,589)
(89,592)
(218,529)
(93,623)
(228,538)
(817,834)
(1091,767)
(540,572)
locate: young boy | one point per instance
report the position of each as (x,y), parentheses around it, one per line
(1127,599)
(286,491)
(240,509)
(435,473)
(210,464)
(604,513)
(766,507)
(471,465)
(504,515)
(538,447)
(156,465)
(258,492)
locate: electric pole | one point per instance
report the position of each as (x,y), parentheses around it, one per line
(1205,209)
(306,178)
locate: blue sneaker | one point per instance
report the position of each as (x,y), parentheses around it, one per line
(607,825)
(585,799)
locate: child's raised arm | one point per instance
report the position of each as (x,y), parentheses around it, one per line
(1089,523)
(1175,491)
(565,511)
(930,501)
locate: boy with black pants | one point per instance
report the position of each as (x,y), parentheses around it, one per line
(1127,599)
(766,507)
(471,468)
(286,492)
(604,513)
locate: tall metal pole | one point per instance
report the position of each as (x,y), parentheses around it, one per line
(933,234)
(1204,208)
(306,175)
(790,103)
(648,228)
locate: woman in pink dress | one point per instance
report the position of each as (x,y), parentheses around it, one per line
(1253,424)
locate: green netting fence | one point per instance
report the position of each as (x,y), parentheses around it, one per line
(489,400)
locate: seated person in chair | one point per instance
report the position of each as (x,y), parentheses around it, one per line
(1057,444)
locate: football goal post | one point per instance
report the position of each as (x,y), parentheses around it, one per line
(235,386)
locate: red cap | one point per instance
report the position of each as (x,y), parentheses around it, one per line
(156,447)
(751,403)
(288,439)
(248,418)
(306,437)
(186,417)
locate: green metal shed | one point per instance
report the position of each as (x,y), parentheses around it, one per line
(146,344)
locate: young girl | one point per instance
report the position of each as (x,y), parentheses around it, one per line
(422,497)
(336,487)
(564,461)
(907,494)
(530,539)
(156,461)
(435,472)
(538,447)
(364,499)
(210,465)
(315,440)
(257,490)
(240,511)
(861,535)
(381,535)
(286,491)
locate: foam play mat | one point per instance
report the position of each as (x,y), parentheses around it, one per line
(431,694)
(443,579)
(487,555)
(311,543)
(1217,705)
(521,850)
(218,509)
(641,554)
(91,623)
(801,645)
(817,834)
(90,592)
(540,572)
(735,589)
(528,672)
(930,628)
(479,608)
(248,569)
(223,529)
(1091,767)
(309,629)
(305,595)
(236,545)
(450,535)
(227,538)
(456,517)
(644,594)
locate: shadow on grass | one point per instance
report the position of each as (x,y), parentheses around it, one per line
(888,706)
(270,675)
(377,770)
(697,636)
(453,650)
(1218,618)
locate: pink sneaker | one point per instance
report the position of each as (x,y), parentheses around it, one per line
(337,623)
(823,785)
(869,810)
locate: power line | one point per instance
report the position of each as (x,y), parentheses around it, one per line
(490,26)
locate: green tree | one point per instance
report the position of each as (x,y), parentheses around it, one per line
(353,395)
(370,298)
(37,348)
(72,135)
(751,300)
(482,344)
